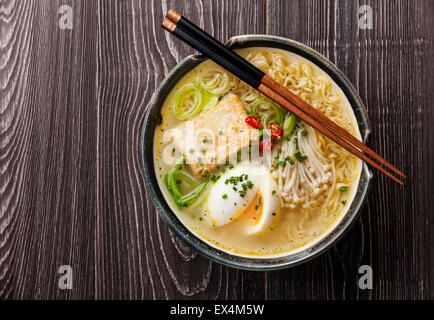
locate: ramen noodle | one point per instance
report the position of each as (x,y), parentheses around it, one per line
(280,185)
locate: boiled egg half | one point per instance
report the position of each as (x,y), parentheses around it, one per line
(245,190)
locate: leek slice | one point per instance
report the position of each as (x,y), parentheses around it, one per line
(188,101)
(169,188)
(209,100)
(193,194)
(185,177)
(198,194)
(215,81)
(172,183)
(201,197)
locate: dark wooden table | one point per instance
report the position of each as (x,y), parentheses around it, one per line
(72,108)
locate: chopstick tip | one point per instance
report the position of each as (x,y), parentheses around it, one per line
(395,179)
(173,15)
(168,25)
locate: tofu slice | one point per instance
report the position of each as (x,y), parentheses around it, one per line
(215,135)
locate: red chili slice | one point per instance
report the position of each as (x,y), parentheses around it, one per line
(254,122)
(266,145)
(276,130)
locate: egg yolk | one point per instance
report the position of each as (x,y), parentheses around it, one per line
(254,210)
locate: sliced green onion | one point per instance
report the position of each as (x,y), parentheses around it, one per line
(273,114)
(343,189)
(300,157)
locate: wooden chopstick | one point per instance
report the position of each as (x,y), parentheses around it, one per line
(317,115)
(269,92)
(276,86)
(207,39)
(235,64)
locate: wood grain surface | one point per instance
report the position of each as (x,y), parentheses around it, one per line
(72,190)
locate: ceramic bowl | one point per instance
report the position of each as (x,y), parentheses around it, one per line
(153,118)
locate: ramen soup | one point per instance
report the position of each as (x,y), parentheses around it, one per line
(241,172)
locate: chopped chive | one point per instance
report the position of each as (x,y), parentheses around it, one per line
(343,189)
(289,159)
(225,196)
(300,157)
(344,202)
(304,133)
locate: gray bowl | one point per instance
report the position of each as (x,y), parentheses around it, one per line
(153,118)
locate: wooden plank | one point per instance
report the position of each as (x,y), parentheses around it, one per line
(48,143)
(137,256)
(389,67)
(72,191)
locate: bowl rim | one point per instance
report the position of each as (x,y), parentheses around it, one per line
(153,118)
